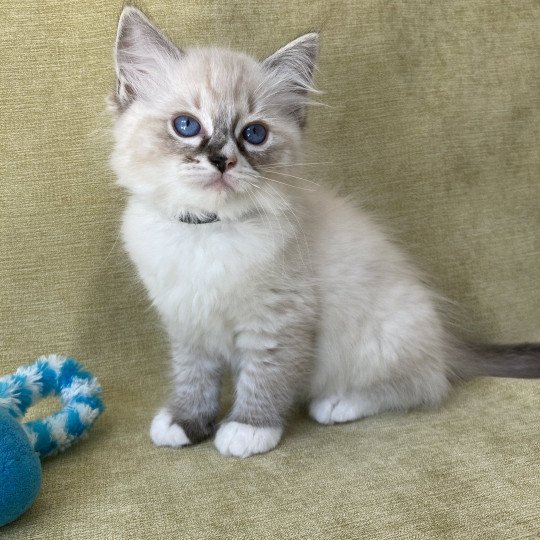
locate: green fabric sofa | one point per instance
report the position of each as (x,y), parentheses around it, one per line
(432,123)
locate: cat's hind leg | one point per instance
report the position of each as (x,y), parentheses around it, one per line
(342,408)
(400,394)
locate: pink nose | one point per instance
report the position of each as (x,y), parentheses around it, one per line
(222,163)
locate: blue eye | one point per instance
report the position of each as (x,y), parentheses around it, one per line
(254,133)
(186,126)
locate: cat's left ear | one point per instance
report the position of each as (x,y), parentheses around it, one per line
(291,69)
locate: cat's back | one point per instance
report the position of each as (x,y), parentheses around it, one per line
(346,239)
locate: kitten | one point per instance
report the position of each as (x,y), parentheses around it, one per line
(296,291)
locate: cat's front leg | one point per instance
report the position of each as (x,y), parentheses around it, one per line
(190,414)
(269,377)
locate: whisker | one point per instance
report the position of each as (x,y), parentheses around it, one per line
(297,164)
(284,214)
(282,236)
(293,176)
(260,207)
(282,183)
(289,207)
(259,211)
(250,183)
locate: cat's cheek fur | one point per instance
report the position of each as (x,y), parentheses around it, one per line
(243,440)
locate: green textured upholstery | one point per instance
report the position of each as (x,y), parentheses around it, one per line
(432,123)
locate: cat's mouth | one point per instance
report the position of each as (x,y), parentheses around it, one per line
(220,183)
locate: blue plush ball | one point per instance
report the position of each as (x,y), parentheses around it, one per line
(20,470)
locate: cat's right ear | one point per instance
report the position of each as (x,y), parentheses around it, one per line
(142,56)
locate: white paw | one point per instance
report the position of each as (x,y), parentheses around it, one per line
(243,440)
(335,409)
(164,432)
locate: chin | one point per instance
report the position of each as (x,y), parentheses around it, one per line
(222,183)
(224,200)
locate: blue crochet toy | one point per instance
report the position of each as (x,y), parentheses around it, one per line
(21,445)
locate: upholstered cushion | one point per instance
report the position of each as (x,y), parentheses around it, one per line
(431,122)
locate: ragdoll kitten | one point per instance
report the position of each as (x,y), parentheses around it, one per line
(293,289)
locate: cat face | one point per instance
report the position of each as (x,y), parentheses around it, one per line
(200,130)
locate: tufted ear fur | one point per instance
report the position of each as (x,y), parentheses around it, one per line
(143,56)
(291,71)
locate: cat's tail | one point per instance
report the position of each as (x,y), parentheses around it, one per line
(520,361)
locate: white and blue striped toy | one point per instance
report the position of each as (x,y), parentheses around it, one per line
(22,444)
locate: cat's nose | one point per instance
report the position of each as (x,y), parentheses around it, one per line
(222,163)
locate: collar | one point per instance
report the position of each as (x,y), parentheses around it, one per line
(193,219)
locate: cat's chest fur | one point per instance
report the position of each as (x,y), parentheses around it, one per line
(201,278)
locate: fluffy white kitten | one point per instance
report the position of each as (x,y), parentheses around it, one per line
(294,289)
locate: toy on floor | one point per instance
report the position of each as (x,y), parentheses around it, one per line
(22,445)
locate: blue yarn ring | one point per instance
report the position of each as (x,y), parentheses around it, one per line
(77,389)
